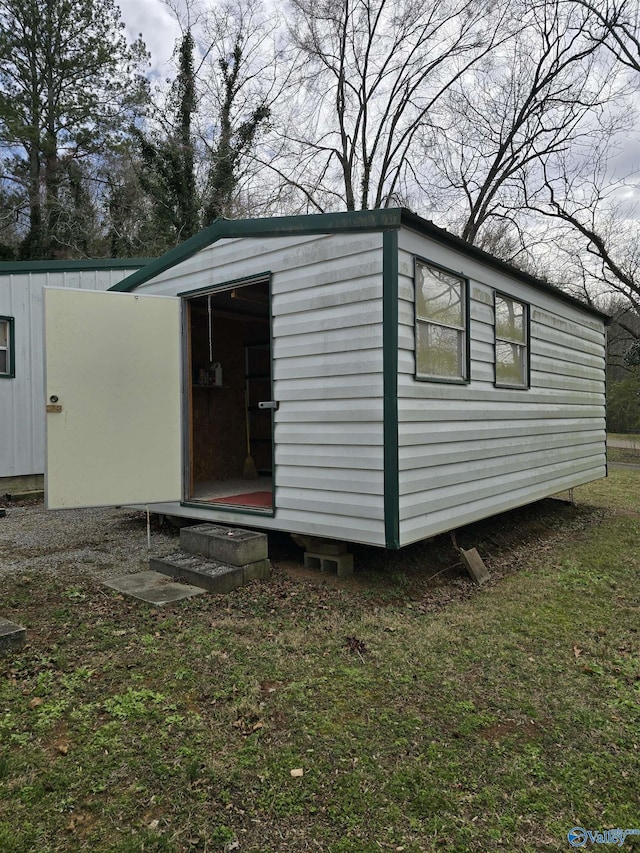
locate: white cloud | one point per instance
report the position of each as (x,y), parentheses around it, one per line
(158,27)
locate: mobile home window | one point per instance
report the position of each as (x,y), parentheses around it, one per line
(512,342)
(441,325)
(6,347)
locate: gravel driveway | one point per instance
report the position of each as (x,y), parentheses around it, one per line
(93,543)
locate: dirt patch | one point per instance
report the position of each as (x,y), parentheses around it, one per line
(511,728)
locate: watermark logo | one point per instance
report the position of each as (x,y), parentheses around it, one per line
(579,836)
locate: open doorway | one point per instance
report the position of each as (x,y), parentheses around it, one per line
(230,451)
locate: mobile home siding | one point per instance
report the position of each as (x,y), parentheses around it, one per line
(22,419)
(498,448)
(327,374)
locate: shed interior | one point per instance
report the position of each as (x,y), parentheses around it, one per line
(230,370)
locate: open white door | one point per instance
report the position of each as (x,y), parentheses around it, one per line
(112,380)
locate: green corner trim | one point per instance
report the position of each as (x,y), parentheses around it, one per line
(26,267)
(390,383)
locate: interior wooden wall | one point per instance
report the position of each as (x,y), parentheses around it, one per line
(219,425)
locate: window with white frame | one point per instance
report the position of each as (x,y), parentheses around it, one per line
(441,325)
(512,342)
(6,347)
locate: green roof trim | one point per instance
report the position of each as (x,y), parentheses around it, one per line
(90,264)
(424,226)
(277,226)
(384,219)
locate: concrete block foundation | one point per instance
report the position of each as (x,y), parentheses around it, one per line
(340,564)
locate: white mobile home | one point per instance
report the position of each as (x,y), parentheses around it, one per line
(388,381)
(22,416)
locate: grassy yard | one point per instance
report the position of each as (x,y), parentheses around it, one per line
(629,454)
(402,709)
(625,436)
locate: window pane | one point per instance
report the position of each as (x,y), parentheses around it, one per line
(510,320)
(439,297)
(3,361)
(439,351)
(4,333)
(510,364)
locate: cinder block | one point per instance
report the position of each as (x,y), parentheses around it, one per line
(194,539)
(12,636)
(238,547)
(317,545)
(214,577)
(340,564)
(258,571)
(225,544)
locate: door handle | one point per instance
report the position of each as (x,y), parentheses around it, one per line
(269,404)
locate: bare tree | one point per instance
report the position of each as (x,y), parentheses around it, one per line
(605,232)
(594,206)
(547,91)
(620,19)
(241,77)
(368,74)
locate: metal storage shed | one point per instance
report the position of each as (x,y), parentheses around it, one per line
(394,381)
(22,418)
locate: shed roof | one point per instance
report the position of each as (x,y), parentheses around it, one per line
(86,264)
(386,219)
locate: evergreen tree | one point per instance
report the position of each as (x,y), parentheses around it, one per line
(232,142)
(168,158)
(68,90)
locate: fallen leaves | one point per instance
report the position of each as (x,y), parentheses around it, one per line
(297,772)
(80,823)
(356,646)
(247,727)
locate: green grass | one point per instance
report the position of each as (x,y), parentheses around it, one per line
(464,719)
(627,455)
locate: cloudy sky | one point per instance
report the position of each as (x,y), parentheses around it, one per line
(158,27)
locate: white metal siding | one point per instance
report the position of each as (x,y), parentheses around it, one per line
(22,398)
(468,452)
(327,355)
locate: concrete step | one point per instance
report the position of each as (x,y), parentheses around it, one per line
(153,587)
(212,575)
(12,636)
(229,545)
